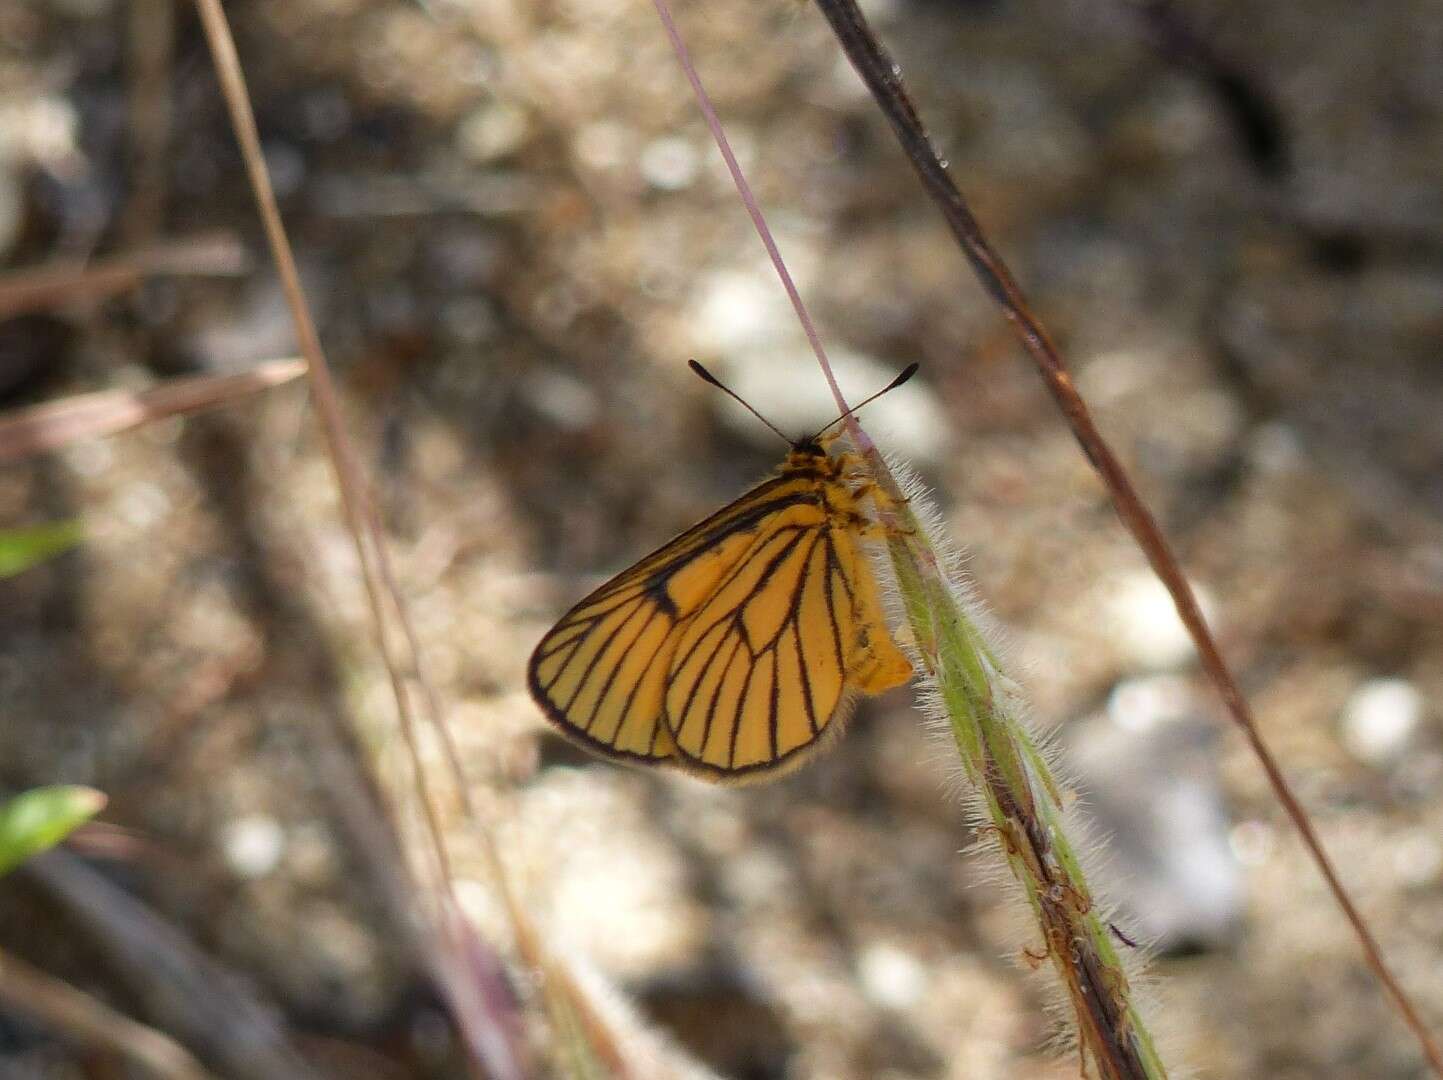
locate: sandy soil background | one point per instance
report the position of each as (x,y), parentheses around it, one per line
(514,231)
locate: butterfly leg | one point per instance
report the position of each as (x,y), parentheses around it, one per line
(872,528)
(862,486)
(869,528)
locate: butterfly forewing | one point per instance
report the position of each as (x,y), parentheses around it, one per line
(591,674)
(758,674)
(600,673)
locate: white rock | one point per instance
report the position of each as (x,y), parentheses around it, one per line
(890,977)
(566,401)
(1154,790)
(1251,842)
(669,163)
(1380,718)
(1111,376)
(1418,858)
(494,131)
(41,130)
(1150,702)
(604,145)
(736,311)
(142,504)
(1146,625)
(90,458)
(1276,449)
(253,845)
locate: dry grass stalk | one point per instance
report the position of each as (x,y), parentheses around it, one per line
(90,1022)
(883,78)
(222,1018)
(70,281)
(150,47)
(55,424)
(489,1032)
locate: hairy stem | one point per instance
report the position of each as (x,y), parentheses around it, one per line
(884,81)
(1022,800)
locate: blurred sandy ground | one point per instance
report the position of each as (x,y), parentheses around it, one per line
(514,231)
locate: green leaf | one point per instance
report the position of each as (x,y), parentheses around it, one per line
(20,549)
(42,817)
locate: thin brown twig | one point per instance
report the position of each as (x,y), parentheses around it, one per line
(229,1022)
(883,78)
(70,281)
(150,46)
(75,1014)
(54,424)
(328,408)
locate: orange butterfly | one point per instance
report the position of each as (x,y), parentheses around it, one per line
(734,651)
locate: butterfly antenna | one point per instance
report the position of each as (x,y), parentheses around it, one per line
(910,370)
(707,376)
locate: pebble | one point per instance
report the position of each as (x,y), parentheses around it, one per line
(1251,842)
(1148,703)
(287,165)
(1418,858)
(90,458)
(258,325)
(1148,778)
(43,131)
(494,131)
(1145,624)
(1379,719)
(890,977)
(1276,449)
(566,401)
(670,164)
(253,845)
(737,312)
(143,504)
(604,145)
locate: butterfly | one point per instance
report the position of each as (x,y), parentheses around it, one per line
(735,651)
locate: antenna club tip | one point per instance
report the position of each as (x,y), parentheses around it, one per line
(703,373)
(907,372)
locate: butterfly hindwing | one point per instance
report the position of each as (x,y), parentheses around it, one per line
(731,652)
(600,673)
(763,673)
(748,684)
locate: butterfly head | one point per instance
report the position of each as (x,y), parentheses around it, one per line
(811,446)
(810,454)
